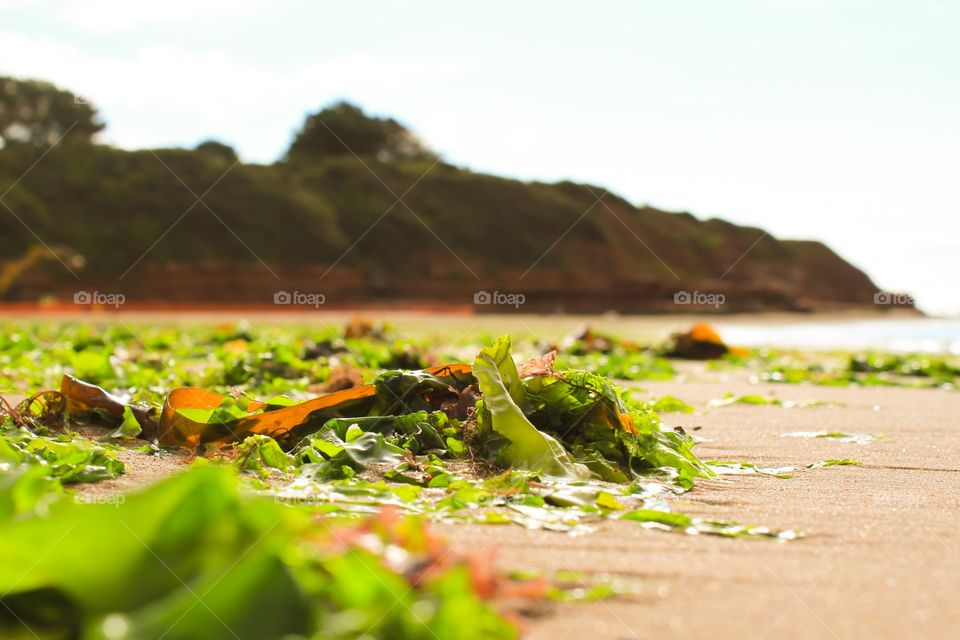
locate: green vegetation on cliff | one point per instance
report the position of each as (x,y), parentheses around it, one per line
(454,231)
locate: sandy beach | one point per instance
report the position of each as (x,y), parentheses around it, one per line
(880,551)
(880,556)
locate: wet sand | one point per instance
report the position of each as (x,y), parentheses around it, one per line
(881,552)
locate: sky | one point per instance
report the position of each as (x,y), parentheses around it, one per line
(834,120)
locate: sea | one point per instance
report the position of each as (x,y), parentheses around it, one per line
(911,335)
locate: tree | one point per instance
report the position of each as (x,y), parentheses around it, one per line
(218,149)
(343,129)
(38,113)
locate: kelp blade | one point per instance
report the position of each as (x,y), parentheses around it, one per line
(178,429)
(502,388)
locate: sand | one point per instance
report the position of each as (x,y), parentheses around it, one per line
(881,552)
(880,555)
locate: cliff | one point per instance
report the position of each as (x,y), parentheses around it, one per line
(330,225)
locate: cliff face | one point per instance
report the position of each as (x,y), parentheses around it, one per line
(334,227)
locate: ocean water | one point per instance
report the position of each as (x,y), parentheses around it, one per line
(926,335)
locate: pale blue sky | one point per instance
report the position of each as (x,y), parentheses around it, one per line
(835,120)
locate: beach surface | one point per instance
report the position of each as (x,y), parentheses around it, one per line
(880,554)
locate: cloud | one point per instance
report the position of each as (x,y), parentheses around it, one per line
(162,93)
(114,16)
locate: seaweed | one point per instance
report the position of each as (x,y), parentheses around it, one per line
(304,511)
(35,466)
(211,561)
(858,438)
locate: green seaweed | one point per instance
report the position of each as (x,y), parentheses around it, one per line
(527,447)
(259,453)
(820,464)
(669,404)
(255,568)
(678,521)
(729,399)
(556,449)
(722,468)
(65,458)
(858,438)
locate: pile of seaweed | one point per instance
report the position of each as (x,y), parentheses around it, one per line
(313,502)
(565,425)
